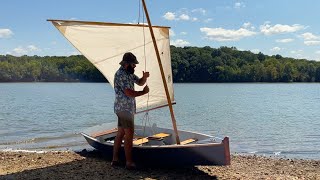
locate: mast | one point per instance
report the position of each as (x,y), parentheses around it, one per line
(162,73)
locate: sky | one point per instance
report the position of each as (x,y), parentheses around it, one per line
(290,28)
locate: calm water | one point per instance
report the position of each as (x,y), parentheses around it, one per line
(267,119)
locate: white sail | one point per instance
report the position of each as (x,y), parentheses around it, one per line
(104,44)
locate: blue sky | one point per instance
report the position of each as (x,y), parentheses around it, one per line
(290,28)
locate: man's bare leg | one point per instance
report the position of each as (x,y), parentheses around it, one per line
(117,144)
(128,138)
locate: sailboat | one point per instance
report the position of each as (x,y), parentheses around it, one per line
(104,44)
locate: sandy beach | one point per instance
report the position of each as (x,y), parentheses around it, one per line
(91,165)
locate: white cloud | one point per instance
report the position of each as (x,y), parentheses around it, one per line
(312,43)
(296,52)
(317,52)
(256,51)
(183,33)
(284,40)
(275,49)
(310,39)
(74,53)
(220,34)
(33,48)
(208,20)
(267,29)
(184,17)
(179,43)
(248,25)
(199,10)
(171,33)
(194,19)
(19,51)
(5,33)
(239,5)
(170,16)
(309,36)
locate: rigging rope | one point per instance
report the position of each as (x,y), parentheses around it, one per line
(139,11)
(146,118)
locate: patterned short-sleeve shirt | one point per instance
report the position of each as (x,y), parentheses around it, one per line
(124,80)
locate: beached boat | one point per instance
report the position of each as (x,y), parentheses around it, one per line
(155,146)
(104,44)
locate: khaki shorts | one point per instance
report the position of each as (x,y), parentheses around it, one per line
(125,120)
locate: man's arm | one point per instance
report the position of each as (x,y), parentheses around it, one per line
(132,93)
(143,80)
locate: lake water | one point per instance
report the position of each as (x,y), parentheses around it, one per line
(267,119)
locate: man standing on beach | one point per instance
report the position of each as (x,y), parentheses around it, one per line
(125,106)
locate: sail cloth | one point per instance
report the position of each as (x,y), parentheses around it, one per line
(104,44)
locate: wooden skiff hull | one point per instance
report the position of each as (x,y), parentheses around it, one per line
(171,155)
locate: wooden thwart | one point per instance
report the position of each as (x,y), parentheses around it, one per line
(188,141)
(158,136)
(140,141)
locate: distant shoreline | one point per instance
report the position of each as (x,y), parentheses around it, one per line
(188,64)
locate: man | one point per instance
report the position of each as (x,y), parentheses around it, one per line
(125,106)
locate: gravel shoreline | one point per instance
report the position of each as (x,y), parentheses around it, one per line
(91,165)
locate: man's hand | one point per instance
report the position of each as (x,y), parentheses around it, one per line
(143,80)
(145,89)
(132,93)
(145,74)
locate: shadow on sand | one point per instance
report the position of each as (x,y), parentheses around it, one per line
(95,166)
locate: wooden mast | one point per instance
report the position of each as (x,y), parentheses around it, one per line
(162,73)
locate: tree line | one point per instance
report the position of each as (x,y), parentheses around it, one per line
(227,64)
(189,64)
(48,69)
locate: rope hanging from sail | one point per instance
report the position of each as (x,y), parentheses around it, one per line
(139,8)
(146,117)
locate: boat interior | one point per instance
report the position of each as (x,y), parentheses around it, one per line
(154,136)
